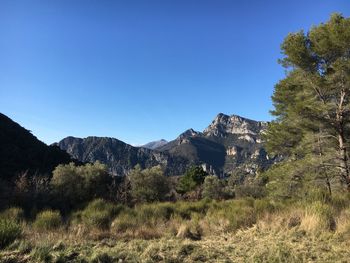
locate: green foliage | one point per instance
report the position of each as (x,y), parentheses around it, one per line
(99,213)
(149,185)
(42,253)
(213,187)
(48,220)
(311,102)
(14,213)
(193,177)
(102,258)
(73,184)
(9,231)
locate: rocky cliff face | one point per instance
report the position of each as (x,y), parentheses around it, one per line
(228,144)
(224,125)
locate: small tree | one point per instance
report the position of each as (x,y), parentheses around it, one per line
(213,187)
(148,185)
(194,177)
(73,184)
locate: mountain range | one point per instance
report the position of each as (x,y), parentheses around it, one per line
(229,144)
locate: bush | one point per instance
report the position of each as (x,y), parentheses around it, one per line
(100,213)
(213,187)
(73,185)
(48,220)
(13,213)
(9,231)
(149,185)
(193,177)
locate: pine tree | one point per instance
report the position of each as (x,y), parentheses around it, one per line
(312,104)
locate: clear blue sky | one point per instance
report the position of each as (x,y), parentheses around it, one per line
(143,70)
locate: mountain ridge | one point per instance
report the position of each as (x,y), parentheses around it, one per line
(230,142)
(22,152)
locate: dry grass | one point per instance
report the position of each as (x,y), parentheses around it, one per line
(233,231)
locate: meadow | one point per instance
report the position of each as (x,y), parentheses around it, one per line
(245,230)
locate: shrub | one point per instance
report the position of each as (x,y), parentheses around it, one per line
(13,213)
(73,184)
(149,185)
(9,231)
(193,177)
(48,220)
(213,187)
(100,213)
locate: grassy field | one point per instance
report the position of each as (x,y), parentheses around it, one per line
(205,231)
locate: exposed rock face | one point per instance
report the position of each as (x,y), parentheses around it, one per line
(231,151)
(223,125)
(227,144)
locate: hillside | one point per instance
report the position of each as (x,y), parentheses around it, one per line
(21,151)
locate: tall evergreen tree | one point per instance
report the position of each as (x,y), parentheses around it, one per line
(312,104)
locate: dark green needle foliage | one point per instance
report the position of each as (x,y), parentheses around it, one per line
(312,103)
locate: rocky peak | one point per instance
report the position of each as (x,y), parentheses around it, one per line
(224,124)
(188,133)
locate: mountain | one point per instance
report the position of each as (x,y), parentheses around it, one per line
(155,144)
(21,151)
(229,144)
(119,156)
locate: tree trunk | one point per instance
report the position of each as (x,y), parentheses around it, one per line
(343,155)
(324,169)
(344,167)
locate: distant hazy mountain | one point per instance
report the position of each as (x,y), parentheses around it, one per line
(21,151)
(228,144)
(155,144)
